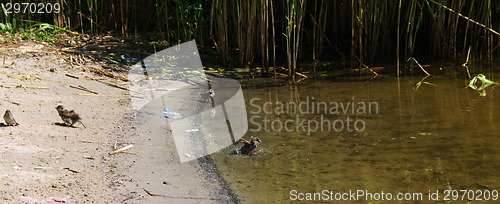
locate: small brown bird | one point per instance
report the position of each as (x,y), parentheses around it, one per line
(69,117)
(9,118)
(248,145)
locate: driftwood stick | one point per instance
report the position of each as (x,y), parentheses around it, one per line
(92,142)
(69,75)
(21,86)
(128,153)
(86,89)
(83,89)
(110,96)
(109,84)
(302,75)
(113,85)
(121,149)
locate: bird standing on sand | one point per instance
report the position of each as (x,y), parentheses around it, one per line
(9,118)
(248,145)
(69,117)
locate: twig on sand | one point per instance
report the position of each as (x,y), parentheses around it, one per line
(7,85)
(32,87)
(116,143)
(108,83)
(128,153)
(83,89)
(121,150)
(105,73)
(99,95)
(69,75)
(113,85)
(49,167)
(74,171)
(180,197)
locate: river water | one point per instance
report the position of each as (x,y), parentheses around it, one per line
(377,136)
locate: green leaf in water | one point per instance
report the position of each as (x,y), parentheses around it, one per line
(418,84)
(429,83)
(484,83)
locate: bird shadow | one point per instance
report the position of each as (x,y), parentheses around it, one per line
(3,125)
(64,125)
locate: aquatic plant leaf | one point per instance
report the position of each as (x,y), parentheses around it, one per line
(429,83)
(472,83)
(484,83)
(417,85)
(482,93)
(485,80)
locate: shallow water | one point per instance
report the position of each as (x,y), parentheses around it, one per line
(419,141)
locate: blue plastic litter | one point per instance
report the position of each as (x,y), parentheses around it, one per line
(170,114)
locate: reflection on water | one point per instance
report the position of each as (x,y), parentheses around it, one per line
(434,138)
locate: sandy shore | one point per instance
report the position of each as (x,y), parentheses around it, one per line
(45,161)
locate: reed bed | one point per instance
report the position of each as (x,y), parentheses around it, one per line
(289,32)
